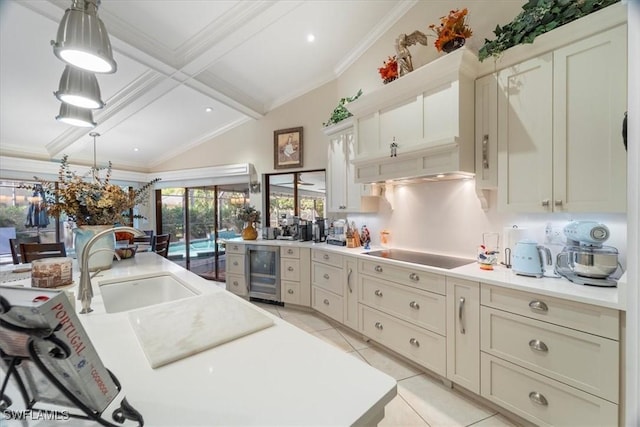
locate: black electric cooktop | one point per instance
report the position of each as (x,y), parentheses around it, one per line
(423,258)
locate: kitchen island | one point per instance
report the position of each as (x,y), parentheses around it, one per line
(280,375)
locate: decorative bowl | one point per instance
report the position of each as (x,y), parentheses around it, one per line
(126,252)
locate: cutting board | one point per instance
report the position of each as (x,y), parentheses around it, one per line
(175,330)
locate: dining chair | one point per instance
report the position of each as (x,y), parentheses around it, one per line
(160,244)
(15,246)
(33,251)
(147,238)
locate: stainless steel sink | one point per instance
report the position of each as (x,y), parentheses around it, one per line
(123,295)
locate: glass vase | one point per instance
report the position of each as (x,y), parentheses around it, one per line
(102,250)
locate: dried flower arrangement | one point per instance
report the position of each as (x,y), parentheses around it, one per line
(452,27)
(248,214)
(389,71)
(89,202)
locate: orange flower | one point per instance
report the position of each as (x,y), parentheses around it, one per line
(390,68)
(451,27)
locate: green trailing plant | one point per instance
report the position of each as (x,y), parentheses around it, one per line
(538,17)
(340,112)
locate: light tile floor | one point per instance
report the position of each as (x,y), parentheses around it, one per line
(422,400)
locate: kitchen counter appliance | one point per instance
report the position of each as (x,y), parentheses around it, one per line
(422,258)
(529,258)
(585,260)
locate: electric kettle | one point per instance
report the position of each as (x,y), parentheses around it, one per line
(529,257)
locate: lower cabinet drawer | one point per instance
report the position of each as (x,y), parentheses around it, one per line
(425,309)
(420,345)
(237,285)
(542,400)
(582,360)
(327,303)
(235,263)
(327,277)
(290,292)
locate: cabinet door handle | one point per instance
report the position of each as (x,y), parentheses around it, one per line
(485,151)
(378,292)
(378,269)
(414,342)
(460,314)
(290,251)
(414,305)
(326,301)
(349,280)
(538,345)
(545,202)
(538,398)
(290,268)
(290,291)
(557,202)
(538,306)
(414,277)
(325,256)
(378,325)
(326,276)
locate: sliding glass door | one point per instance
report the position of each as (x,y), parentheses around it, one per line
(199,219)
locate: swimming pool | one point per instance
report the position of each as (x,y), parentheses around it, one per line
(197,248)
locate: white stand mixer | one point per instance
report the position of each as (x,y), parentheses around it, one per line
(584,260)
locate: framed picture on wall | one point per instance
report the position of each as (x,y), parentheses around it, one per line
(287,148)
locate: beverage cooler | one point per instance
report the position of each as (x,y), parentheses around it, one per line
(262,266)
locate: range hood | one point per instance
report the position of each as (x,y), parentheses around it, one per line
(428,114)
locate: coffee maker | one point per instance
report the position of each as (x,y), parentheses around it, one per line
(585,260)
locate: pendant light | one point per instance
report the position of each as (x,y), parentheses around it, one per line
(76,116)
(79,88)
(82,39)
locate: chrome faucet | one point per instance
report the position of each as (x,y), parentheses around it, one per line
(85,292)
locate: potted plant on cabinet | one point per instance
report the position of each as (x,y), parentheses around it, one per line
(250,216)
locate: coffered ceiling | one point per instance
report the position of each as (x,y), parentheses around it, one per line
(176,58)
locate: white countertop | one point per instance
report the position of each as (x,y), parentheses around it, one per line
(500,276)
(280,375)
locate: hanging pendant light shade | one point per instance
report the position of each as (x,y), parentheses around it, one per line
(82,39)
(79,88)
(76,116)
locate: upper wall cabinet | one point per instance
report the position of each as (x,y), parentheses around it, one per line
(428,113)
(343,194)
(559,128)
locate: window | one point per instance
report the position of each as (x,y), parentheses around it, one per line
(297,194)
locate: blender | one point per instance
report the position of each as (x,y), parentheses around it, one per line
(585,260)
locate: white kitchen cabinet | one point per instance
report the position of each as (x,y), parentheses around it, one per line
(486,137)
(559,126)
(327,284)
(551,361)
(463,333)
(295,275)
(350,292)
(343,193)
(235,274)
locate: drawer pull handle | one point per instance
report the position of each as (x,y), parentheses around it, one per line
(414,277)
(325,256)
(290,268)
(414,342)
(235,263)
(545,202)
(235,283)
(538,306)
(461,315)
(378,269)
(378,325)
(235,248)
(414,305)
(289,251)
(290,291)
(538,398)
(378,292)
(538,345)
(326,276)
(349,280)
(326,301)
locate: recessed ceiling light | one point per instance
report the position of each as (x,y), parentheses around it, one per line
(440,175)
(136,149)
(311,38)
(208,109)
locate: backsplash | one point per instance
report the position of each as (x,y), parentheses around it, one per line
(446,218)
